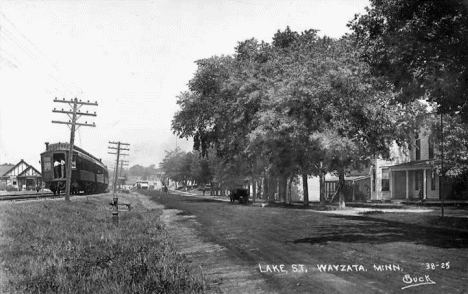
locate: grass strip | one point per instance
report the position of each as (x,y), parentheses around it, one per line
(73,247)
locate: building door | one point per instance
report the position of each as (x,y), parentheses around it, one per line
(399,184)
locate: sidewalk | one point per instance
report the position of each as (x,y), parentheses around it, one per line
(352,208)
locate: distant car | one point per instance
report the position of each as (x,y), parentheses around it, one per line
(142,185)
(241,195)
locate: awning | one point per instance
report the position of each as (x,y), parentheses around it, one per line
(347,178)
(415,165)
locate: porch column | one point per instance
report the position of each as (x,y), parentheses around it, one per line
(407,185)
(390,180)
(424,184)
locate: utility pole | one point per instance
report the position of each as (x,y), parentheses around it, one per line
(441,184)
(122,164)
(120,147)
(74,114)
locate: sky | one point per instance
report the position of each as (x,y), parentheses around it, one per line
(131,57)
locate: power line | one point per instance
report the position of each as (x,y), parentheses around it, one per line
(30,42)
(33,56)
(15,43)
(13,58)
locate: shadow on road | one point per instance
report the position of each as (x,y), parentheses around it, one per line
(359,229)
(199,200)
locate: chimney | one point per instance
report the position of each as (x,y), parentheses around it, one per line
(47,146)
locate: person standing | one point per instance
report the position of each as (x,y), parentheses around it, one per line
(62,165)
(57,169)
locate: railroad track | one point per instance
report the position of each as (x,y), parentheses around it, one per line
(26,196)
(33,195)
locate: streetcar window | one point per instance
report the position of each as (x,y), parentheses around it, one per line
(74,161)
(59,157)
(46,163)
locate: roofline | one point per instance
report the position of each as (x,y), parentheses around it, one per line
(27,170)
(15,167)
(417,165)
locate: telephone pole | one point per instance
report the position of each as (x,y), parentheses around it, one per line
(120,147)
(74,114)
(122,164)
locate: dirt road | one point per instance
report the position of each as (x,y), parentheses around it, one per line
(255,249)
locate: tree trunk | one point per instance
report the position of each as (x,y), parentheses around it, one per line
(260,189)
(274,188)
(271,187)
(283,187)
(290,190)
(254,190)
(306,189)
(266,188)
(322,189)
(341,185)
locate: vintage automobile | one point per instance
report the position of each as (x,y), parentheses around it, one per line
(240,194)
(142,185)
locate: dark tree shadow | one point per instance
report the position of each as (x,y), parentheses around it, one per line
(361,229)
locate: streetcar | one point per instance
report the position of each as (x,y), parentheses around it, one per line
(88,174)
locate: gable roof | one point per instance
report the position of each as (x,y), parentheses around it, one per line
(4,168)
(7,169)
(15,166)
(30,171)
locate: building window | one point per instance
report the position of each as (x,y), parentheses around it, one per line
(433,184)
(418,148)
(373,178)
(385,180)
(417,180)
(431,147)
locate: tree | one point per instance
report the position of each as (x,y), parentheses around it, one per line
(176,165)
(219,110)
(142,172)
(303,105)
(449,133)
(359,117)
(137,170)
(200,170)
(421,47)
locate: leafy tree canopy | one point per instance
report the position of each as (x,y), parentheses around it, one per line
(421,47)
